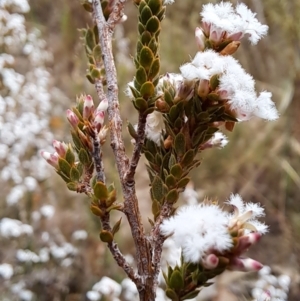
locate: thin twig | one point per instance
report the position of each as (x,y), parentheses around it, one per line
(115,124)
(117,254)
(97,157)
(129,177)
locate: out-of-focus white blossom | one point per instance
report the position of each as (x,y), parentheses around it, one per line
(80,235)
(27,256)
(107,286)
(129,290)
(166,2)
(13,228)
(93,295)
(47,211)
(270,287)
(6,271)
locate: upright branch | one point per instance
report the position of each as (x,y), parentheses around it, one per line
(131,209)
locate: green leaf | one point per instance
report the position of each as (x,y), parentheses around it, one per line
(172,196)
(154,69)
(70,157)
(149,157)
(174,113)
(161,14)
(90,78)
(112,197)
(158,189)
(132,131)
(153,24)
(74,174)
(146,57)
(88,7)
(147,89)
(179,144)
(84,157)
(145,38)
(171,181)
(72,186)
(116,227)
(183,182)
(176,171)
(97,53)
(168,98)
(141,29)
(141,75)
(214,82)
(188,158)
(106,236)
(64,166)
(172,161)
(100,191)
(155,6)
(176,280)
(89,39)
(76,141)
(146,14)
(79,167)
(171,294)
(155,208)
(141,104)
(96,210)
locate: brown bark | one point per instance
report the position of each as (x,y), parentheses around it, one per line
(146,280)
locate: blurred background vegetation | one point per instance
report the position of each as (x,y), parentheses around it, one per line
(261,161)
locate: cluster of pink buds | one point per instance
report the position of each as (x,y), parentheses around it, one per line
(60,152)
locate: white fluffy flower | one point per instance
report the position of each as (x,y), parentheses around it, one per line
(245,215)
(222,21)
(235,85)
(198,230)
(154,127)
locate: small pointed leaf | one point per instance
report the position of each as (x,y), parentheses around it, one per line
(176,280)
(100,191)
(83,157)
(146,57)
(64,166)
(106,236)
(96,211)
(180,144)
(116,227)
(176,171)
(74,174)
(72,186)
(172,196)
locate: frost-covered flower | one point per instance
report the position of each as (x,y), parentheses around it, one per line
(224,22)
(235,88)
(199,230)
(154,127)
(245,216)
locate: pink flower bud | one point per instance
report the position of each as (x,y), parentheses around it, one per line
(102,134)
(60,147)
(236,36)
(88,106)
(72,118)
(211,261)
(244,264)
(103,105)
(99,120)
(200,38)
(52,159)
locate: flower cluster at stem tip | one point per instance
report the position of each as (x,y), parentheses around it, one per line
(217,38)
(206,234)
